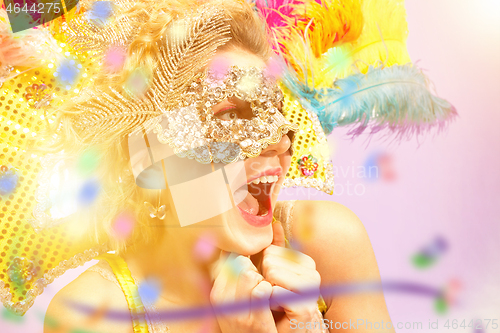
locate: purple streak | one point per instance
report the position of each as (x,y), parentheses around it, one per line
(235,307)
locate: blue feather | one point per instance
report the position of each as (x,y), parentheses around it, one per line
(395,98)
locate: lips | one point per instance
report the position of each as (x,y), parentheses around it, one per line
(258,220)
(255,198)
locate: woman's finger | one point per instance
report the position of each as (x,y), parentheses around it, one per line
(278,235)
(291,255)
(247,281)
(295,306)
(271,260)
(260,311)
(240,284)
(293,282)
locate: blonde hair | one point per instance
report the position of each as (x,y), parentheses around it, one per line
(119,192)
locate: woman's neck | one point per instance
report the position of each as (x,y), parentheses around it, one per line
(172,260)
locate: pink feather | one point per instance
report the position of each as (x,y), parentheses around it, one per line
(275,11)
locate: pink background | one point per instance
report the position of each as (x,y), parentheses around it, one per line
(449,186)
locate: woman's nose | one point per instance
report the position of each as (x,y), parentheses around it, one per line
(278,148)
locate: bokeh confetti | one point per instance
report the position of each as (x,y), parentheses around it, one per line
(149,290)
(123,226)
(451,291)
(448,296)
(89,192)
(8,315)
(178,30)
(68,72)
(386,167)
(275,67)
(138,82)
(100,12)
(114,59)
(380,165)
(478,328)
(8,180)
(219,66)
(337,59)
(428,256)
(440,305)
(88,162)
(204,248)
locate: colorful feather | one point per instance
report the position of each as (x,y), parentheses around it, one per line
(275,12)
(327,40)
(307,29)
(327,23)
(395,98)
(384,35)
(27,48)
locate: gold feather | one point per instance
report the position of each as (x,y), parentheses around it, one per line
(183,55)
(86,36)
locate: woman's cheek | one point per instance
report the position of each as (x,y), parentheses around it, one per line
(285,161)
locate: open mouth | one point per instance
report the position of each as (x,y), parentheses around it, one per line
(255,200)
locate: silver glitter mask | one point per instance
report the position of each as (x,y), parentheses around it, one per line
(252,123)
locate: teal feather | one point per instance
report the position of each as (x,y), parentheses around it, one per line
(396,98)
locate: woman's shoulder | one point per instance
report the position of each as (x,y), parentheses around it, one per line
(325,219)
(335,238)
(81,305)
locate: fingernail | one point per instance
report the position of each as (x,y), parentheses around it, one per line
(259,294)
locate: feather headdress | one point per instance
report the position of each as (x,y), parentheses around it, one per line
(348,63)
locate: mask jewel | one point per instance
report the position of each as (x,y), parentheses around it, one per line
(21,270)
(308,165)
(37,96)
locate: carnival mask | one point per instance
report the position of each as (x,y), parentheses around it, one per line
(249,125)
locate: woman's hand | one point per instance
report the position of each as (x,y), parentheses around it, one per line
(291,272)
(238,281)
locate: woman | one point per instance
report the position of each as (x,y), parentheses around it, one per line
(251,263)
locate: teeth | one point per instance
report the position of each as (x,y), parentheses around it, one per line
(265,179)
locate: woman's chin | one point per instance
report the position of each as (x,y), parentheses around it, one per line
(249,248)
(246,238)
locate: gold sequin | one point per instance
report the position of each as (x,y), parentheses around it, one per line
(310,139)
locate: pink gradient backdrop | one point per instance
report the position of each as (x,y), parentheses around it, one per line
(450,185)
